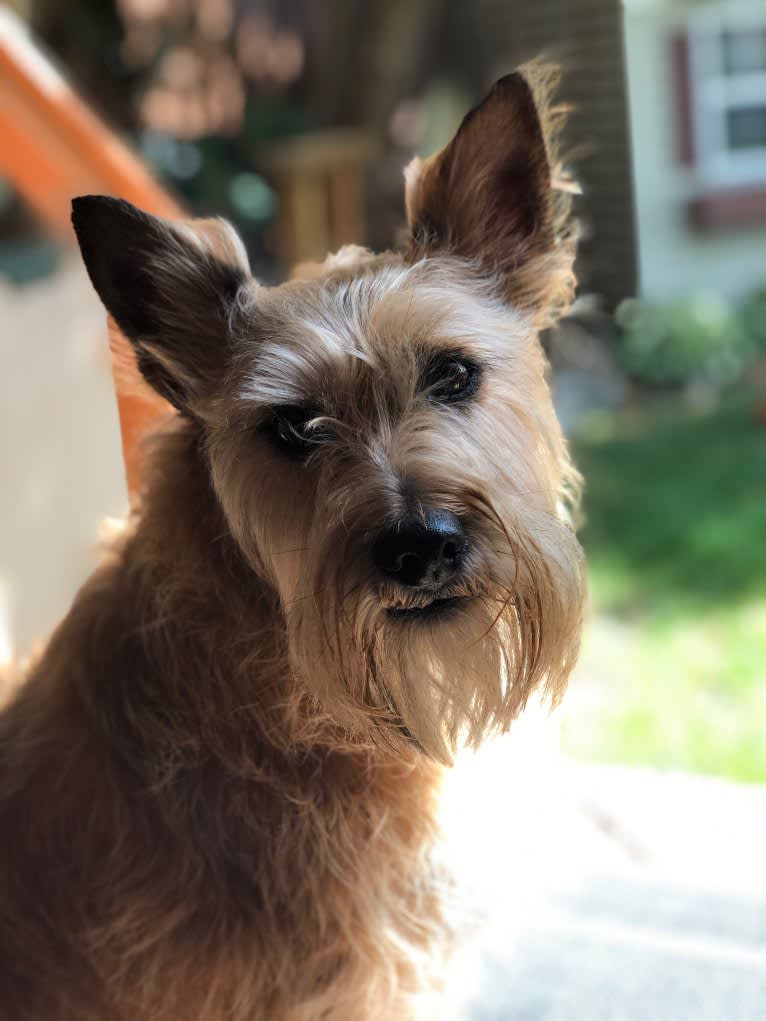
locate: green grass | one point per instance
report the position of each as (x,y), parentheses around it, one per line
(676,541)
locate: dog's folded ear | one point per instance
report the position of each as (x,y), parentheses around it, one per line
(169,286)
(489,195)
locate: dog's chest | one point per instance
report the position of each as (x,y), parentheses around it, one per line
(320,885)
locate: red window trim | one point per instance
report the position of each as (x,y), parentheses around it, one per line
(741,208)
(683,84)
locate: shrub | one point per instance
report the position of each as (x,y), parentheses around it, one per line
(754,317)
(696,338)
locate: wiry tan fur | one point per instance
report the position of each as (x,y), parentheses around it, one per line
(218,784)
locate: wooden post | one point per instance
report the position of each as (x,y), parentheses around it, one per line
(320,180)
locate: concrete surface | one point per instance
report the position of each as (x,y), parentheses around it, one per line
(617,894)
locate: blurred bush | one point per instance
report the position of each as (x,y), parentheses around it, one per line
(698,338)
(206,88)
(754,317)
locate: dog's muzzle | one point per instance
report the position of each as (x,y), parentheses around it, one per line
(421,553)
(420,557)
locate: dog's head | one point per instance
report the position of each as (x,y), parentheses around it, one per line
(380,433)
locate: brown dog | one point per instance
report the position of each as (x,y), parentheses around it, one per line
(352,553)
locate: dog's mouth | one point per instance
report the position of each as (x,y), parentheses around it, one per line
(428,611)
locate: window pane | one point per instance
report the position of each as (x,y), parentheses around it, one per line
(744,51)
(746,127)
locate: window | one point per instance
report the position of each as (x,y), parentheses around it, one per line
(727,91)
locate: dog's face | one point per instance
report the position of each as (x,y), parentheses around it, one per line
(380,434)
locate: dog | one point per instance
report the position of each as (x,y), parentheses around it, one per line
(353,554)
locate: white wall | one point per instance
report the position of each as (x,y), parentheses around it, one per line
(675,258)
(60,456)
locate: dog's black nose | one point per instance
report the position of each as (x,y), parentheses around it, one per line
(419,552)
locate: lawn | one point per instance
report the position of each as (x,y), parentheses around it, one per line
(674,665)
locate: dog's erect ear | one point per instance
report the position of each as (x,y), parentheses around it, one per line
(488,196)
(169,286)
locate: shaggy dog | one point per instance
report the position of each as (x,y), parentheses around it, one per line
(352,553)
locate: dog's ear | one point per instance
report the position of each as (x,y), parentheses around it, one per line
(169,286)
(488,195)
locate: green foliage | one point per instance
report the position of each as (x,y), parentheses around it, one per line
(676,519)
(701,337)
(754,317)
(696,338)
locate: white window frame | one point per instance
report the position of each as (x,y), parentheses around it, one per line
(714,92)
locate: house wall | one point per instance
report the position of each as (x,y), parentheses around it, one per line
(674,258)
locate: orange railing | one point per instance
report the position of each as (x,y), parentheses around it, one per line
(52,147)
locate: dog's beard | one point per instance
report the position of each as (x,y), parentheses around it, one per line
(445,668)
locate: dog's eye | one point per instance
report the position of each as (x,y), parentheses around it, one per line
(450,378)
(289,428)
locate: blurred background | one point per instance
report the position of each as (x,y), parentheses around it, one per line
(294,119)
